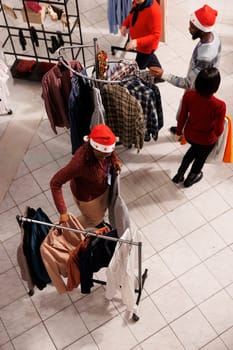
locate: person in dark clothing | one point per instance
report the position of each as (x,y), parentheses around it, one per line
(201,120)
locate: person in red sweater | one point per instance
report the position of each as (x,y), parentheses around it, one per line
(144,26)
(89,172)
(201,121)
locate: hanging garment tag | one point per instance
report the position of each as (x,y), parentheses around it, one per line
(109,179)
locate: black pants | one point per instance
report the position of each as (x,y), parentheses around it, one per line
(147,60)
(196,154)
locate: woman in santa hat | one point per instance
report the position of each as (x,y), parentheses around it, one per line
(89,173)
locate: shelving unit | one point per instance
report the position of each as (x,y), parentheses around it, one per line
(16,16)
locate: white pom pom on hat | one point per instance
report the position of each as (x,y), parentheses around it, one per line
(204,18)
(102,138)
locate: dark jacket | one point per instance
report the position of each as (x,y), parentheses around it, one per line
(97,255)
(81,108)
(34,234)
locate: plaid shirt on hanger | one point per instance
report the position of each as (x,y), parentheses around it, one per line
(146,98)
(124,115)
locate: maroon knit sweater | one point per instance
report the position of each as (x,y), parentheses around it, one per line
(87,176)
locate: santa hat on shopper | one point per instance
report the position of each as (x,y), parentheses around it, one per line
(204,18)
(102,138)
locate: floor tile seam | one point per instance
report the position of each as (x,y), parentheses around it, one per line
(25,201)
(199,211)
(212,326)
(12,339)
(183,237)
(220,194)
(7,253)
(190,269)
(14,204)
(216,231)
(158,331)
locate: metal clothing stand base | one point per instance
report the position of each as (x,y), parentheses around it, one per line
(8,111)
(141,277)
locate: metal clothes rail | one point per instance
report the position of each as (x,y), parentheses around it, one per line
(141,277)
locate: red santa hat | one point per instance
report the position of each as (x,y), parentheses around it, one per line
(102,138)
(204,18)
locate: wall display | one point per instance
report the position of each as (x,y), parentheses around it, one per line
(34,30)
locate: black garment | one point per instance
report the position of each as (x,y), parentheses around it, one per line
(34,36)
(145,60)
(60,39)
(196,154)
(34,234)
(97,255)
(55,44)
(81,108)
(136,9)
(22,40)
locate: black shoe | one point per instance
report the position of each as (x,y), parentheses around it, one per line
(178,178)
(173,129)
(192,179)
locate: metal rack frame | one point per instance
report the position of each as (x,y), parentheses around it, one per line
(141,277)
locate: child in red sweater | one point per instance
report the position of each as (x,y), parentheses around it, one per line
(201,120)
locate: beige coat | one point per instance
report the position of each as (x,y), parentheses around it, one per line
(55,251)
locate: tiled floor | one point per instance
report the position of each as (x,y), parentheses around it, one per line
(187,301)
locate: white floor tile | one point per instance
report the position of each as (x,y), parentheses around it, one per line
(172,301)
(166,340)
(216,344)
(222,225)
(221,265)
(161,233)
(19,316)
(193,330)
(205,241)
(95,309)
(227,337)
(72,328)
(188,222)
(109,334)
(179,257)
(150,322)
(218,310)
(194,282)
(158,274)
(210,204)
(36,338)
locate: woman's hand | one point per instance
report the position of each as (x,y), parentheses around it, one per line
(132,44)
(118,166)
(63,218)
(123,30)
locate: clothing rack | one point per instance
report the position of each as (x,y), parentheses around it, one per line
(141,277)
(60,51)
